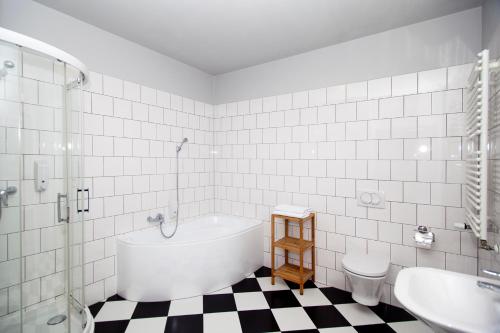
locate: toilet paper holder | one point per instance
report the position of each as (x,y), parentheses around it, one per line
(424,237)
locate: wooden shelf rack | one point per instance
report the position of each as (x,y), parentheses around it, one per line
(295,273)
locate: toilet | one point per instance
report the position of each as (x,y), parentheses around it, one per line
(366,274)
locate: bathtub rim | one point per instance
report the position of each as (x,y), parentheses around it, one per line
(122,239)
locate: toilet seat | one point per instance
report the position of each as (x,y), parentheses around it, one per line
(366,265)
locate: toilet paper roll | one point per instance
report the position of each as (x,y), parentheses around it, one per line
(423,240)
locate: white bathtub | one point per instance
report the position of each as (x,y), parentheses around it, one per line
(205,255)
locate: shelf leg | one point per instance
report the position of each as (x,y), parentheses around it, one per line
(301,271)
(272,250)
(313,249)
(286,235)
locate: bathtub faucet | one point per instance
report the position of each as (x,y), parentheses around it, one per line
(158,218)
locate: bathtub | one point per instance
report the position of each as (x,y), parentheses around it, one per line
(205,255)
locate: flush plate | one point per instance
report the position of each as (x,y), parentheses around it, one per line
(369,198)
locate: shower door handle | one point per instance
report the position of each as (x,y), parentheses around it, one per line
(83,209)
(59,215)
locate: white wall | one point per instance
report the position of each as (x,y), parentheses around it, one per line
(401,135)
(104,52)
(445,41)
(491,27)
(130,134)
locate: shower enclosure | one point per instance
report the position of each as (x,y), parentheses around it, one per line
(42,195)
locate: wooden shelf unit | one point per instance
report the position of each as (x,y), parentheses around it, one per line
(295,273)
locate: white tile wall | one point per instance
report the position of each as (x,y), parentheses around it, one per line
(130,136)
(401,135)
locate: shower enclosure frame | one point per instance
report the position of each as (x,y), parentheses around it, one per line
(73,173)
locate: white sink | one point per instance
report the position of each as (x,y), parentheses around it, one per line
(449,301)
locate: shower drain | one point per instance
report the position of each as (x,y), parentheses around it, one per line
(56,319)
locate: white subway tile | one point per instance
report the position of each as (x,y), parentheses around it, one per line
(431,171)
(417,149)
(430,258)
(336,94)
(449,101)
(284,102)
(379,129)
(455,124)
(122,108)
(404,84)
(113,126)
(432,80)
(455,172)
(461,264)
(356,169)
(356,130)
(403,170)
(403,255)
(102,146)
(112,86)
(357,91)
(431,216)
(317,97)
(446,194)
(366,229)
(367,110)
(49,94)
(391,149)
(379,170)
(432,126)
(131,91)
(299,100)
(345,149)
(447,148)
(345,112)
(326,114)
(416,192)
(335,132)
(391,107)
(458,75)
(404,127)
(367,150)
(243,107)
(403,213)
(393,190)
(390,232)
(379,88)
(148,95)
(417,105)
(176,102)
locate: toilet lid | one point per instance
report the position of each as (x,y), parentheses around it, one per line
(366,265)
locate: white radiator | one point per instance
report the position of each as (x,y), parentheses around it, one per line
(476,154)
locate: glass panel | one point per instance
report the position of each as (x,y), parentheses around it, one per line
(11,159)
(78,195)
(41,254)
(44,235)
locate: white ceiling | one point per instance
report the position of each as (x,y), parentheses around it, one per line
(219,36)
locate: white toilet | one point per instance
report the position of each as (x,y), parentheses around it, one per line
(366,274)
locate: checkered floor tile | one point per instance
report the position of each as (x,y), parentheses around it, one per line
(255,305)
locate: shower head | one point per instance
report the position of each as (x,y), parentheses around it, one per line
(7,64)
(179,147)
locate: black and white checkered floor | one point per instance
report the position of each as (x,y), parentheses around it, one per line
(254,305)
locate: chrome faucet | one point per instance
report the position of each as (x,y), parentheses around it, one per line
(4,197)
(488,285)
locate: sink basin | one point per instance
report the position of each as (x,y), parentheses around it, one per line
(449,301)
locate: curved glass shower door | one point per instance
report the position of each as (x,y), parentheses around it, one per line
(42,202)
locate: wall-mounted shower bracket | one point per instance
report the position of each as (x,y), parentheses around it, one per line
(59,206)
